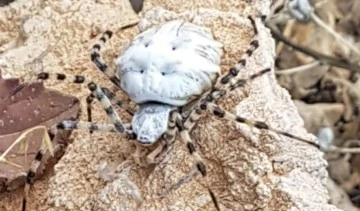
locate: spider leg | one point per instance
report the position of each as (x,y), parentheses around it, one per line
(213,95)
(169,138)
(185,137)
(226,80)
(119,103)
(89,99)
(93,126)
(229,82)
(113,99)
(96,91)
(30,175)
(217,94)
(218,112)
(170,134)
(99,62)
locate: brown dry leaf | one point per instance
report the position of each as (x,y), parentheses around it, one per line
(24,107)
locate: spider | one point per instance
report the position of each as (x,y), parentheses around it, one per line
(172,72)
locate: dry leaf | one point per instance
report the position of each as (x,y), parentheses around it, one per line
(27,109)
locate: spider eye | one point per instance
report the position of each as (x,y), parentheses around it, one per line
(146,45)
(141,71)
(162,73)
(173,48)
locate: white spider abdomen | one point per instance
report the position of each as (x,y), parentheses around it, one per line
(172,64)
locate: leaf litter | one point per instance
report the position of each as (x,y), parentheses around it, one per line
(27,112)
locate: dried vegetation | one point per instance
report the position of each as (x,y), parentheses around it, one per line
(322,78)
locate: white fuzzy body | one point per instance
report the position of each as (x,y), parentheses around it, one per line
(171,64)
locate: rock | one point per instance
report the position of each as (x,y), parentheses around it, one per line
(248,169)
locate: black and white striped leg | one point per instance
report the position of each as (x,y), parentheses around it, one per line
(109,109)
(93,126)
(218,112)
(95,91)
(114,101)
(117,102)
(217,94)
(89,99)
(238,83)
(79,125)
(169,138)
(31,175)
(185,137)
(170,134)
(230,78)
(99,62)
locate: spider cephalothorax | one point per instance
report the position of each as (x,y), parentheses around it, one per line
(172,72)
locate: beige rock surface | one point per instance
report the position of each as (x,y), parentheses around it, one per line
(248,169)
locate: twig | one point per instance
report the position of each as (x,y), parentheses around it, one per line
(298,69)
(287,32)
(320,3)
(322,58)
(337,36)
(343,150)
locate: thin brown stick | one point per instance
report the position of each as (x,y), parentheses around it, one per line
(322,58)
(297,69)
(337,36)
(343,150)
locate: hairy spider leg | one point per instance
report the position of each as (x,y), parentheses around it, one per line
(95,90)
(168,139)
(89,99)
(103,67)
(81,125)
(170,134)
(114,100)
(117,102)
(221,113)
(99,62)
(231,77)
(185,137)
(30,175)
(202,105)
(93,126)
(213,95)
